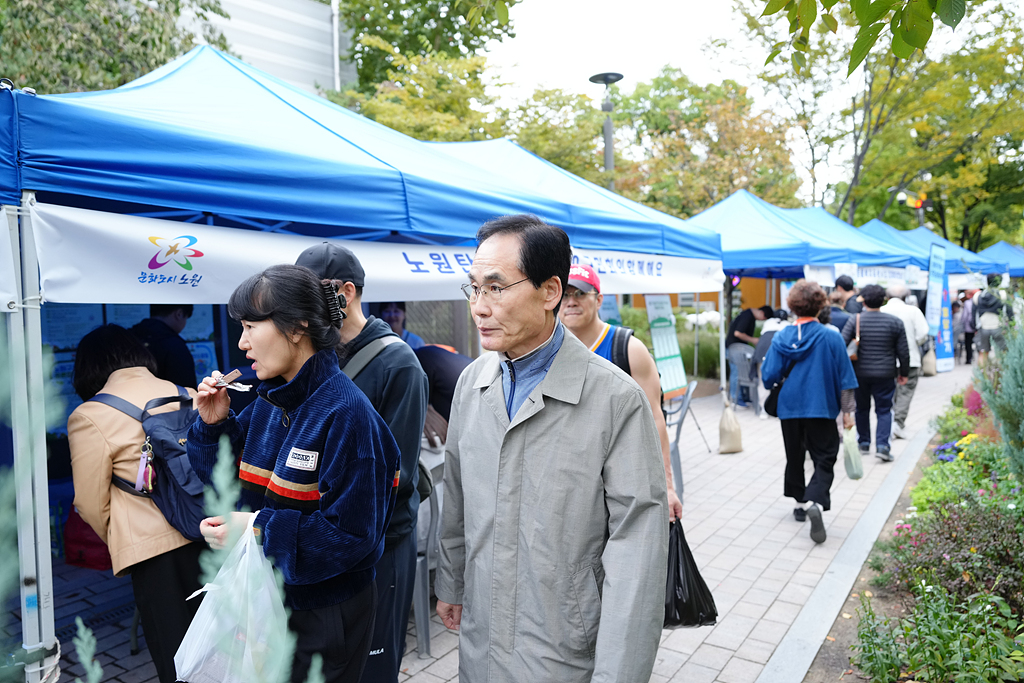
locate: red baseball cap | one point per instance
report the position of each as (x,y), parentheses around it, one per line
(584,278)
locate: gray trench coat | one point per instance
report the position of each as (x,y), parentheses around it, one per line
(555,527)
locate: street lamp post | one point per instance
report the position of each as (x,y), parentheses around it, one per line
(607,106)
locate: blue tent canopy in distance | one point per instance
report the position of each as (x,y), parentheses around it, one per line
(591,203)
(1011,253)
(209,133)
(958,259)
(823,223)
(762,240)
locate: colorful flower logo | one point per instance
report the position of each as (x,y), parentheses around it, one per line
(174,250)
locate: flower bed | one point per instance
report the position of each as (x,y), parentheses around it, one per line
(957,558)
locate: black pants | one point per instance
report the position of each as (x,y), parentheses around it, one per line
(820,437)
(396,578)
(340,633)
(161,585)
(969,345)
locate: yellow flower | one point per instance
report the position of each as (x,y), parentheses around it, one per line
(973,549)
(960,455)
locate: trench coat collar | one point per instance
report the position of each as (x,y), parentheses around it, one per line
(564,380)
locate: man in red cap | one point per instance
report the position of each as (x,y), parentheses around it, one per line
(580,304)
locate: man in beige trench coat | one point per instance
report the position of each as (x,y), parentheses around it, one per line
(554,540)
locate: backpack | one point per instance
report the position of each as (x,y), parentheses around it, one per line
(172,485)
(620,348)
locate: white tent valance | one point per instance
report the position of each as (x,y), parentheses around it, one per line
(95,257)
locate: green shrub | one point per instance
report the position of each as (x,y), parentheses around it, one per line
(707,353)
(979,640)
(1002,385)
(944,482)
(954,424)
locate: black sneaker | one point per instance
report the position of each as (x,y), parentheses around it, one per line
(817,525)
(883,454)
(864,449)
(799,514)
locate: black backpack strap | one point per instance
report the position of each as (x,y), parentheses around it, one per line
(127,487)
(182,398)
(117,403)
(620,348)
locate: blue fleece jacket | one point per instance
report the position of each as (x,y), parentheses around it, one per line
(821,370)
(320,465)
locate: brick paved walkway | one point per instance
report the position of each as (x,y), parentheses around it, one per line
(759,563)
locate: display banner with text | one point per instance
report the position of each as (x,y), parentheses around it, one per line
(936,285)
(944,361)
(96,257)
(666,345)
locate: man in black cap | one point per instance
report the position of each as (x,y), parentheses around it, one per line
(847,292)
(387,371)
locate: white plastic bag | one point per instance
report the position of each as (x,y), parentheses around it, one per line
(852,458)
(238,632)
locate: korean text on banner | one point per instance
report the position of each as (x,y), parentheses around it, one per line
(666,344)
(944,361)
(936,280)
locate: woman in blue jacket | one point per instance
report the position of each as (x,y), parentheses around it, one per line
(818,371)
(317,464)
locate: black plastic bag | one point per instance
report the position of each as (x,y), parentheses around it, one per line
(688,602)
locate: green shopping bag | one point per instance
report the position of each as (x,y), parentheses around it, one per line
(851,454)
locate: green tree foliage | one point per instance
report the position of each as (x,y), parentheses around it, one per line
(429,97)
(59,46)
(699,144)
(417,28)
(907,24)
(563,128)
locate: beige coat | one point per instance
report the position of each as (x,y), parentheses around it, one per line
(105,441)
(554,530)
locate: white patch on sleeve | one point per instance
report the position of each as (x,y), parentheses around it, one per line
(302,460)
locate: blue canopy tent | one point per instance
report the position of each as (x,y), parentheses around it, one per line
(761,240)
(958,259)
(211,141)
(510,161)
(819,221)
(1011,253)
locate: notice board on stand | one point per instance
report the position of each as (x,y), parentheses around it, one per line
(666,345)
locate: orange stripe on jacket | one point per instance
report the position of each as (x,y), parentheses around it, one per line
(398,473)
(294,495)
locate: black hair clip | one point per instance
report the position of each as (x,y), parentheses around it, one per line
(334,305)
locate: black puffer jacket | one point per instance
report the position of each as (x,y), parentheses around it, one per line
(883,341)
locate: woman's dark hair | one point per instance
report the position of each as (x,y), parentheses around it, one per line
(544,250)
(101,352)
(825,315)
(873,295)
(288,296)
(806,299)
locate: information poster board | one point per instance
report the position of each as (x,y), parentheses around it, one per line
(944,361)
(666,345)
(936,286)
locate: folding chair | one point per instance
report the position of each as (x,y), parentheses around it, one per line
(426,557)
(675,413)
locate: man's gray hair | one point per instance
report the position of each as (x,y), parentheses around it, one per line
(897,292)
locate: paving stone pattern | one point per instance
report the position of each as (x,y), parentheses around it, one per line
(760,564)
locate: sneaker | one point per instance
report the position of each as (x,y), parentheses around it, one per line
(817,525)
(800,514)
(883,454)
(898,431)
(864,449)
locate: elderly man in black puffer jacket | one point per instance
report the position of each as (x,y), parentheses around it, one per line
(883,342)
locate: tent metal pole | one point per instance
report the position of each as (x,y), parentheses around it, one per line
(696,332)
(721,341)
(335,43)
(30,460)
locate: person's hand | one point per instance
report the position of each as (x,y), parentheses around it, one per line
(451,615)
(901,381)
(848,422)
(675,506)
(218,532)
(435,428)
(212,402)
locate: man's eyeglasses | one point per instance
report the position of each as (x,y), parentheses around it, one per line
(574,294)
(493,292)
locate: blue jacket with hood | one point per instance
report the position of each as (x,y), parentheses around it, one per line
(821,370)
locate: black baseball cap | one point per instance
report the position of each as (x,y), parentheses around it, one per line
(333,262)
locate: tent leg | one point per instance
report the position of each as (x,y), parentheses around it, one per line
(722,322)
(29,427)
(696,333)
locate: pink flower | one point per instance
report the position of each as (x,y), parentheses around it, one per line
(963,432)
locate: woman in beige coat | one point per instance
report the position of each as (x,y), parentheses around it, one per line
(163,564)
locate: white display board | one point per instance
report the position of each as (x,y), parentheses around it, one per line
(96,257)
(666,344)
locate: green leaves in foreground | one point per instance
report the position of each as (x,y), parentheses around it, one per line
(911,23)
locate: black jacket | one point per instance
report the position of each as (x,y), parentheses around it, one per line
(883,341)
(174,361)
(397,388)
